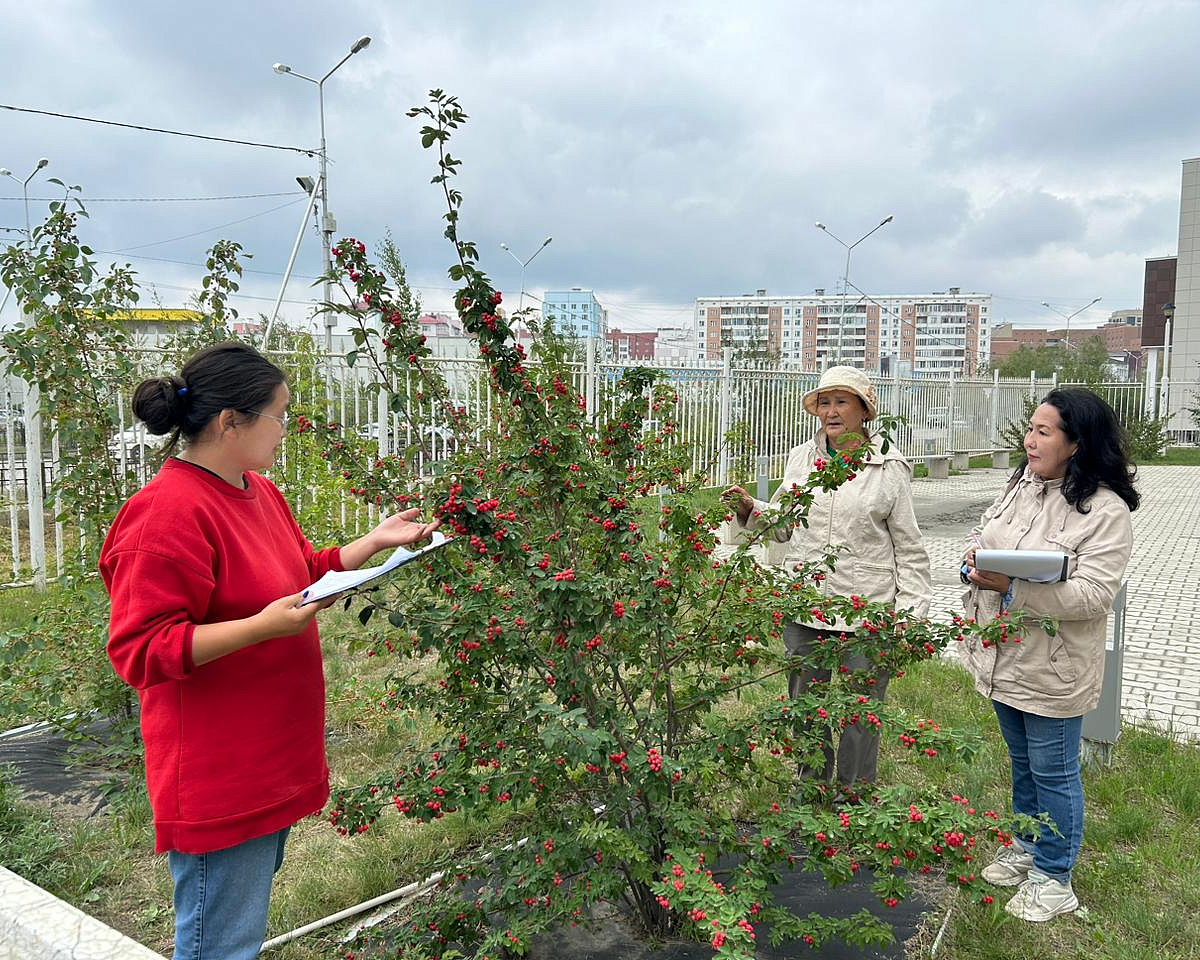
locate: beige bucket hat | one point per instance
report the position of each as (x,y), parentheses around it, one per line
(850,379)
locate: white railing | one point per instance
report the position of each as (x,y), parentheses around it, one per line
(941,416)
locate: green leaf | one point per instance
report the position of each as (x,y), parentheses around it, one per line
(365,614)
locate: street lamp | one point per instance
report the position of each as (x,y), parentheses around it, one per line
(524,264)
(846,273)
(5,172)
(33,426)
(1071,316)
(328,224)
(1168,312)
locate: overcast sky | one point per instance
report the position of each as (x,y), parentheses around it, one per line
(673,151)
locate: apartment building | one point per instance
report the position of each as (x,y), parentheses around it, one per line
(575,312)
(935,333)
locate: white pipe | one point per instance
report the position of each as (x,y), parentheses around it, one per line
(937,941)
(31,727)
(409,891)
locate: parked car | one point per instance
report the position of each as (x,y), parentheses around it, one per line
(136,444)
(937,417)
(442,435)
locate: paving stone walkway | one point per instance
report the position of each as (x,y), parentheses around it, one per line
(1162,625)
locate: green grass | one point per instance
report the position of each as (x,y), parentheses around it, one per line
(1136,874)
(18,605)
(1137,871)
(1177,456)
(106,866)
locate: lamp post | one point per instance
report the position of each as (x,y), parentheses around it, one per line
(1168,312)
(1165,381)
(846,273)
(524,264)
(5,172)
(33,426)
(328,224)
(1069,317)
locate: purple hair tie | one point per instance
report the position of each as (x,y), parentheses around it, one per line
(181,392)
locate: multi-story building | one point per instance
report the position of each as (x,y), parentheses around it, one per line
(934,333)
(440,325)
(624,346)
(666,344)
(1157,293)
(575,312)
(676,345)
(1122,337)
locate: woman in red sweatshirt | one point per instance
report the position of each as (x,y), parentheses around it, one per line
(204,567)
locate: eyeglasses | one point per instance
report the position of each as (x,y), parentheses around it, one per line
(282,421)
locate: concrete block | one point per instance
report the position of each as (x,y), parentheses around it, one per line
(938,467)
(36,925)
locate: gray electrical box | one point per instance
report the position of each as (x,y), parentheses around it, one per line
(764,464)
(1102,726)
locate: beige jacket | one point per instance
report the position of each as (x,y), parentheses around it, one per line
(869,519)
(1057,676)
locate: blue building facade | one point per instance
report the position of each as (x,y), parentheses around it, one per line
(575,312)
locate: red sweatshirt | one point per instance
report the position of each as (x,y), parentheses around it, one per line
(235,749)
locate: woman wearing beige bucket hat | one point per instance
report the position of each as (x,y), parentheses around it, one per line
(871,524)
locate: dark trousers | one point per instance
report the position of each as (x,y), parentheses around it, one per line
(858,746)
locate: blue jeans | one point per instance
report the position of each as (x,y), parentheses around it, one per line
(1046,779)
(221,898)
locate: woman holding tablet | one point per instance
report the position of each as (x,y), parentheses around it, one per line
(1073,493)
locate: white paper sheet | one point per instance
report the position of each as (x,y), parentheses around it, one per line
(339,581)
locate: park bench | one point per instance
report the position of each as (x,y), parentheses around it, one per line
(961,459)
(938,467)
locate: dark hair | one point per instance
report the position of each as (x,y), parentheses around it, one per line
(225,376)
(1101,456)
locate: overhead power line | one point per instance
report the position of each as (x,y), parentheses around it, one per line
(307,151)
(239,196)
(197,233)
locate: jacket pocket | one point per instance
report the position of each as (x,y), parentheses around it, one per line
(1060,661)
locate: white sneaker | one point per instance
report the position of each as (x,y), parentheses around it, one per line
(1040,898)
(1010,868)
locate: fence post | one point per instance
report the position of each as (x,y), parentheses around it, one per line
(1032,385)
(1151,399)
(896,406)
(589,378)
(950,416)
(35,494)
(14,527)
(725,385)
(994,412)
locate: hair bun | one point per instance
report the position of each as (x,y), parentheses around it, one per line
(158,403)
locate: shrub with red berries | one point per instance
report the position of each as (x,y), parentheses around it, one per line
(589,647)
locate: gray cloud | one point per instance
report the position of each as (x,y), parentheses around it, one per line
(1021,223)
(671,151)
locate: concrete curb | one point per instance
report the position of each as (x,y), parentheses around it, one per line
(35,925)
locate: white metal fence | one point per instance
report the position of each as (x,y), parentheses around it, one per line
(941,416)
